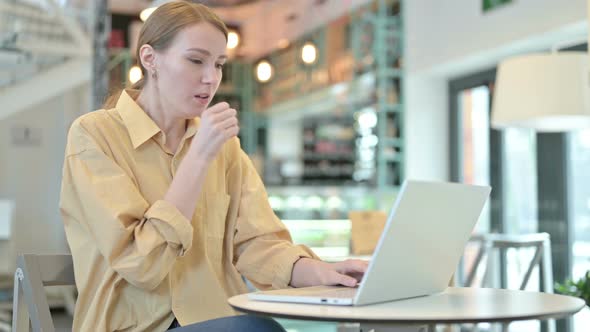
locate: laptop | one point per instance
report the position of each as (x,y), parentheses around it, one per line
(417,253)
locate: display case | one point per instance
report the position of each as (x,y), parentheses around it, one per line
(346,108)
(329,150)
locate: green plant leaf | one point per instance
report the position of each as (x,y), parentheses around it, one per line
(579,288)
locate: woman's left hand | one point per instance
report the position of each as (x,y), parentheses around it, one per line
(311,272)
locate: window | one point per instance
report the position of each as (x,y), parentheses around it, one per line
(506,160)
(580,200)
(520,181)
(474,115)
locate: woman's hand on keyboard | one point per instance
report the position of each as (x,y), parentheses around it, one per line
(311,272)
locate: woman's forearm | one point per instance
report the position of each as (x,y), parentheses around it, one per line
(188,182)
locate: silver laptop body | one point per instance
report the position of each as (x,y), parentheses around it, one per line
(417,253)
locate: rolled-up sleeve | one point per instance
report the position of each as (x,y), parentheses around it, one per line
(138,240)
(180,231)
(264,250)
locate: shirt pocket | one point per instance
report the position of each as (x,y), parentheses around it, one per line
(217,205)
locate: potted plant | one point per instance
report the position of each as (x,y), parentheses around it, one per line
(580,288)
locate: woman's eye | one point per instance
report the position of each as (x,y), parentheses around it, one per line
(196,61)
(219,65)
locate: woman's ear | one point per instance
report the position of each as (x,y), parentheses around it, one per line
(147,57)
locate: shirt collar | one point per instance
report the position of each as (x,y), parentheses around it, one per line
(192,127)
(140,126)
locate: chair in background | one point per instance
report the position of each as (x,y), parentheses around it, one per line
(5,304)
(491,244)
(7,260)
(6,285)
(33,273)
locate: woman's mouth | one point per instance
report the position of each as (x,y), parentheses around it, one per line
(202,98)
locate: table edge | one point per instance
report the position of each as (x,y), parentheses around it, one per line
(557,315)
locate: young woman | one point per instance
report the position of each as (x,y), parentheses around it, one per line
(163,211)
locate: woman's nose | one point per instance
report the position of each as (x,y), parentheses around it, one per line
(209,76)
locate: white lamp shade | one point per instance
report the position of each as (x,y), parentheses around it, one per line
(546,92)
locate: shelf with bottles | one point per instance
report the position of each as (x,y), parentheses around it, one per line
(360,73)
(393,170)
(293,77)
(393,129)
(329,152)
(336,148)
(377,29)
(389,91)
(343,97)
(362,40)
(233,77)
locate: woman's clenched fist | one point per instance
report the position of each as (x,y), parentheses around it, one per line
(219,123)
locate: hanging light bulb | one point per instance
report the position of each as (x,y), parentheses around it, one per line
(153,6)
(264,71)
(146,13)
(309,53)
(233,39)
(135,74)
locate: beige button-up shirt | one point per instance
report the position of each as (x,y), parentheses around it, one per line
(138,261)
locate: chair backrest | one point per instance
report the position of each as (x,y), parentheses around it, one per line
(33,273)
(542,256)
(540,242)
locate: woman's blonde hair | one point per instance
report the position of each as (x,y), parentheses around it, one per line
(162,26)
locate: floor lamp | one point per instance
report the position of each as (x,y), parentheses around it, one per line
(547,93)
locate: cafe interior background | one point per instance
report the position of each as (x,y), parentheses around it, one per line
(339,101)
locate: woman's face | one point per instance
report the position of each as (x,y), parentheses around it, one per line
(189,71)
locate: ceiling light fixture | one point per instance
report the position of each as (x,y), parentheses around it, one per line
(309,53)
(146,13)
(233,39)
(546,92)
(264,71)
(135,74)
